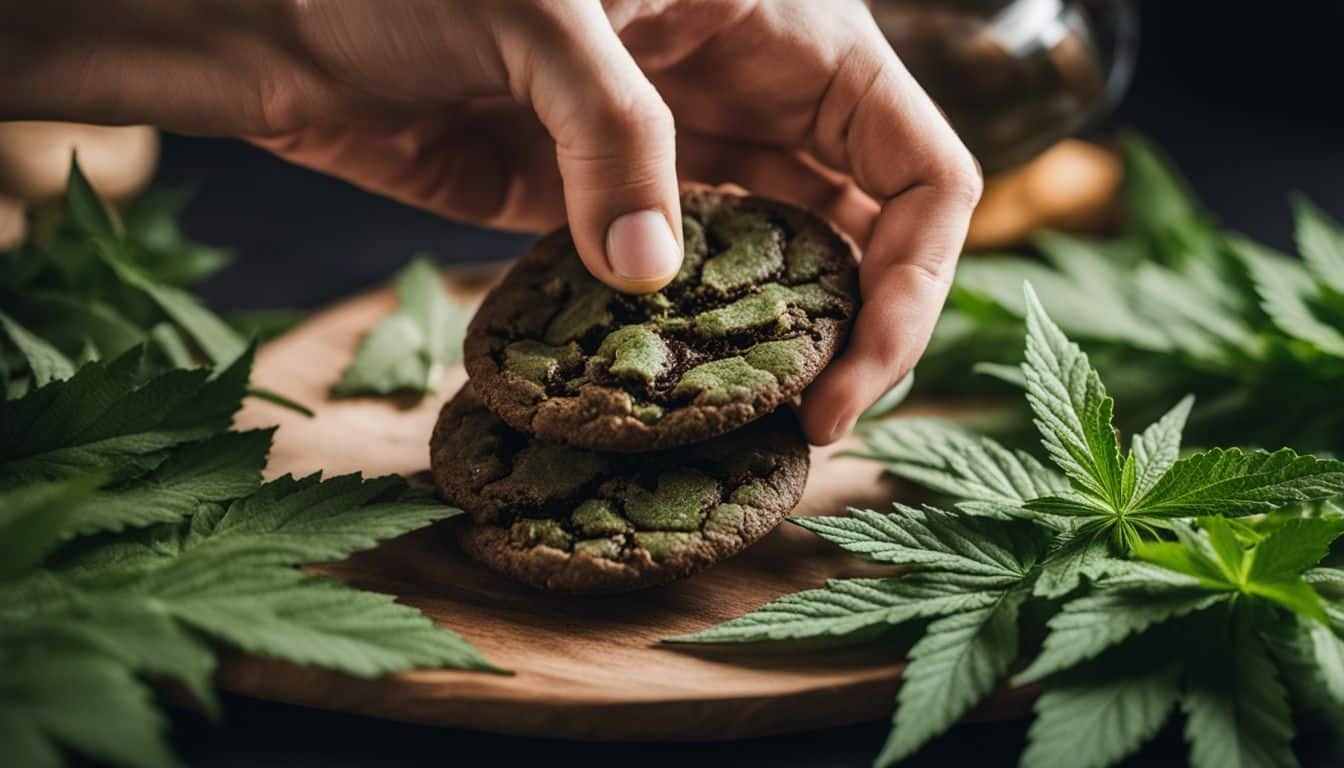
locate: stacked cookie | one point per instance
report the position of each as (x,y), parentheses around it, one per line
(609,442)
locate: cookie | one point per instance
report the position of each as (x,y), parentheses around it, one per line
(565,519)
(763,300)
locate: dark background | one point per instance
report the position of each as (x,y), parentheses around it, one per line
(1244,96)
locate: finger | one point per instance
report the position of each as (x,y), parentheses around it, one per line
(901,304)
(615,145)
(489,162)
(791,177)
(928,187)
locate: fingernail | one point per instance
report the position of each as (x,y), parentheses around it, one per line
(641,246)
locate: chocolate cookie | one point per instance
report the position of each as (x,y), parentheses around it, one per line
(569,520)
(763,300)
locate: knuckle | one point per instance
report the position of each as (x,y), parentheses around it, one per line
(639,115)
(960,177)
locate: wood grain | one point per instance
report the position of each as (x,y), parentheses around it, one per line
(585,668)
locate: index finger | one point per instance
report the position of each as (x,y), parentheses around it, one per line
(876,123)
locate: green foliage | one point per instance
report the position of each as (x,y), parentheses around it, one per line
(1172,305)
(1217,561)
(109,418)
(45,362)
(92,286)
(1108,494)
(933,540)
(957,662)
(137,539)
(1095,723)
(190,552)
(1236,710)
(850,606)
(218,469)
(1155,580)
(407,350)
(88,286)
(82,699)
(32,517)
(220,343)
(1073,411)
(943,458)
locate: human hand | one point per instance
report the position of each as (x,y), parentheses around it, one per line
(526,113)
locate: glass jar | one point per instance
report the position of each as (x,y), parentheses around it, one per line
(1015,76)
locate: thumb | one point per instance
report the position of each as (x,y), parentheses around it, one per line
(616,148)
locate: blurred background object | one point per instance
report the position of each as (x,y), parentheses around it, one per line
(1015,76)
(1074,187)
(13,225)
(35,158)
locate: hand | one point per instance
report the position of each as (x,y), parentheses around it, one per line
(527,113)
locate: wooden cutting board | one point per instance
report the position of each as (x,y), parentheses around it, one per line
(585,668)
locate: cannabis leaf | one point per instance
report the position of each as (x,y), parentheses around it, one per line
(1156,448)
(1104,293)
(1157,200)
(112,448)
(1310,656)
(1321,242)
(932,539)
(136,605)
(220,342)
(1236,482)
(107,419)
(136,536)
(1272,570)
(970,576)
(86,210)
(1078,284)
(1143,558)
(407,349)
(32,517)
(1170,306)
(1089,625)
(1073,411)
(957,662)
(1078,553)
(45,361)
(1292,298)
(1218,585)
(284,522)
(947,460)
(161,248)
(1236,709)
(218,469)
(284,614)
(81,699)
(1145,490)
(850,608)
(87,287)
(1096,721)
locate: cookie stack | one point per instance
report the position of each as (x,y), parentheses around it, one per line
(609,442)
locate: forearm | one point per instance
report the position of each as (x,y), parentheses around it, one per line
(203,67)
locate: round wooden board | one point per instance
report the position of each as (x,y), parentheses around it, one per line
(584,668)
